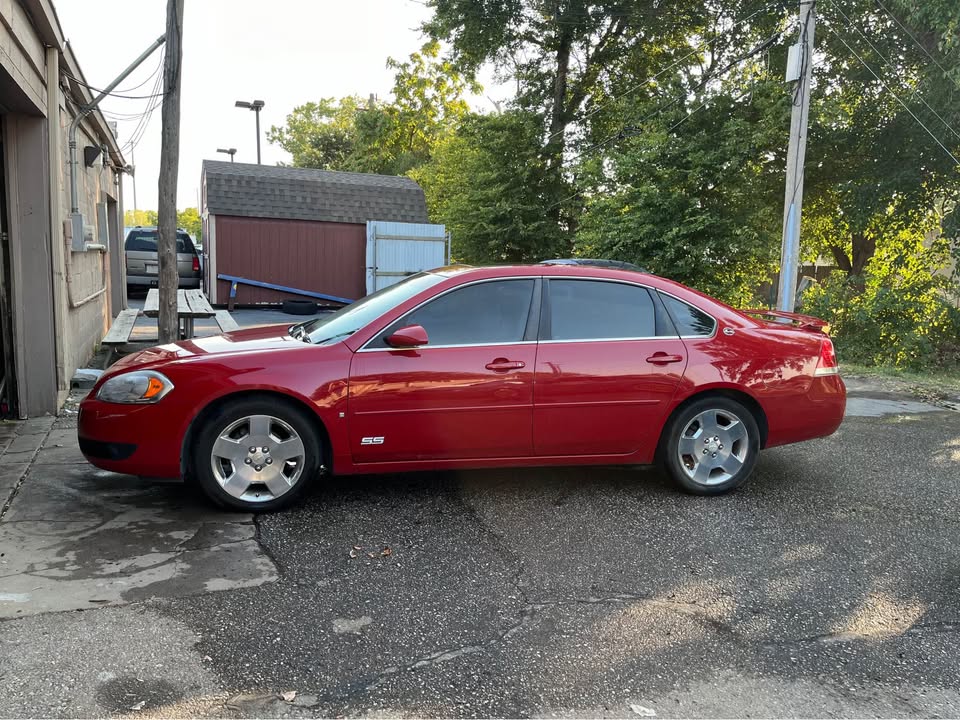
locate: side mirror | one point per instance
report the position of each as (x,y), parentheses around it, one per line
(407,337)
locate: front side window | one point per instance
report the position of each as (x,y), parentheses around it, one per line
(486,313)
(690,321)
(597,310)
(350,318)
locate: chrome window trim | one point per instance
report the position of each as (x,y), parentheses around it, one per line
(364,348)
(648,288)
(428,346)
(617,339)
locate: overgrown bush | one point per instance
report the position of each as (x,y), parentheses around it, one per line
(898,315)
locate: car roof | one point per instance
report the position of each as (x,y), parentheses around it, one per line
(150,228)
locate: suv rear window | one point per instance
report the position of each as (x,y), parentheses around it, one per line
(146,241)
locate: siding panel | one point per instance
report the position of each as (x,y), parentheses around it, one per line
(317,256)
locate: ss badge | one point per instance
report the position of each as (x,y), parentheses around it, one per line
(372,441)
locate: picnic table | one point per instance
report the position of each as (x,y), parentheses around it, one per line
(191,304)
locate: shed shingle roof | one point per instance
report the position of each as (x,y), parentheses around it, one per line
(267,191)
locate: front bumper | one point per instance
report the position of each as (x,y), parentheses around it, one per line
(132,439)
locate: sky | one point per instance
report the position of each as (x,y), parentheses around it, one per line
(284,52)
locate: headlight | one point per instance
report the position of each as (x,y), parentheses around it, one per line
(138,386)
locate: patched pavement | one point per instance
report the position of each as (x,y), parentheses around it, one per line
(829,585)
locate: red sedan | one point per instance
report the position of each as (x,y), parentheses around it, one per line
(468,368)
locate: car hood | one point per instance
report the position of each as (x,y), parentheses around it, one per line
(271,337)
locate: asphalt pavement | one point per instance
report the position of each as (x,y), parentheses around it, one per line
(827,586)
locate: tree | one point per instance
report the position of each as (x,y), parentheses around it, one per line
(319,134)
(695,195)
(872,165)
(189,219)
(145,218)
(389,138)
(489,184)
(560,52)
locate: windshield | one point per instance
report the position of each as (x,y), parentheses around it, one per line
(349,319)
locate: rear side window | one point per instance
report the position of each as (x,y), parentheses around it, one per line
(488,313)
(146,241)
(595,310)
(690,321)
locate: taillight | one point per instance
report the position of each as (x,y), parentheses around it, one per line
(196,264)
(827,364)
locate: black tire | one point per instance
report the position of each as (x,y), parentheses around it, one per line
(299,307)
(726,466)
(283,416)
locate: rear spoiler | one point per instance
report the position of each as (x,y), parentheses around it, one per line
(805,322)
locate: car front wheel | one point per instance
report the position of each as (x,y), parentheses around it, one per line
(256,455)
(711,446)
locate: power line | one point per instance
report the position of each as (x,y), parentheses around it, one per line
(918,43)
(916,91)
(121,93)
(896,97)
(141,127)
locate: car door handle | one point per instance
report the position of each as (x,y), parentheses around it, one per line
(502,365)
(661,358)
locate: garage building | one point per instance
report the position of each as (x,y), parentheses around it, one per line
(299,228)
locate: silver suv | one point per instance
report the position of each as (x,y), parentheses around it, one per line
(143,264)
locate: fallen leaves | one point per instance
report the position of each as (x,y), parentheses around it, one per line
(373,553)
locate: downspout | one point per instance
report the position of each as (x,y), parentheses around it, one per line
(76,218)
(57,244)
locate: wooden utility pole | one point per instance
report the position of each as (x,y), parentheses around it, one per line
(169,325)
(793,198)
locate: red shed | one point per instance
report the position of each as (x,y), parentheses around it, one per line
(295,227)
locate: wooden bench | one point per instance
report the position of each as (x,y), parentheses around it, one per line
(226,321)
(119,333)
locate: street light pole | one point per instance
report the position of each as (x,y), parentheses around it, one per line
(256,106)
(228,151)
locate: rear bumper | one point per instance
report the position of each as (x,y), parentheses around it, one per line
(817,413)
(150,281)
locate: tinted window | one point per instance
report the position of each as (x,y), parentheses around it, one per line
(594,310)
(146,241)
(484,313)
(688,319)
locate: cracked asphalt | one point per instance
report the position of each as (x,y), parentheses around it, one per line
(829,585)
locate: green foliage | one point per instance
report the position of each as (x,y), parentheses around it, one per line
(147,218)
(695,196)
(489,184)
(389,138)
(189,220)
(319,134)
(899,314)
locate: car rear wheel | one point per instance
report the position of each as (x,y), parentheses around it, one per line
(711,446)
(257,455)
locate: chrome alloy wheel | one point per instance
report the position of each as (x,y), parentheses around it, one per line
(713,447)
(258,458)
